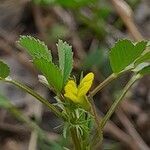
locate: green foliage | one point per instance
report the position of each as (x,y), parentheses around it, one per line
(77,121)
(51,72)
(142,63)
(35,48)
(143,58)
(65,59)
(81,121)
(4,70)
(124,53)
(42,59)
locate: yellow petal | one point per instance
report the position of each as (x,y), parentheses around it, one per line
(71,87)
(71,91)
(72,97)
(85,84)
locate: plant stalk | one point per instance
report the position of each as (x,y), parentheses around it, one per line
(37,96)
(75,139)
(117,101)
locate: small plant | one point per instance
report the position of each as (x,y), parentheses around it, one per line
(74,102)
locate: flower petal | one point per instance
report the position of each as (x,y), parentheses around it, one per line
(85,84)
(71,87)
(71,91)
(72,97)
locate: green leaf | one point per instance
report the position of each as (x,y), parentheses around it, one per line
(4,70)
(35,48)
(42,59)
(124,53)
(51,72)
(143,58)
(65,59)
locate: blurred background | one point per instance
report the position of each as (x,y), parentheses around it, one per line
(91,27)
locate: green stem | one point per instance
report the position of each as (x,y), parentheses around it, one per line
(117,101)
(75,139)
(37,96)
(104,83)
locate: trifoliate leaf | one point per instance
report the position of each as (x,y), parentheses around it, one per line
(124,54)
(65,59)
(42,59)
(4,70)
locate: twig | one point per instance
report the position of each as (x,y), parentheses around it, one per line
(116,132)
(131,130)
(126,14)
(112,129)
(33,140)
(17,129)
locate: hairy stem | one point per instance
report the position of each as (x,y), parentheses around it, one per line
(75,139)
(117,101)
(37,96)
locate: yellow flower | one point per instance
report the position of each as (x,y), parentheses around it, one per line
(77,94)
